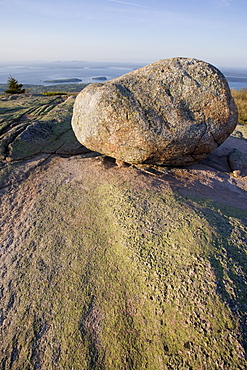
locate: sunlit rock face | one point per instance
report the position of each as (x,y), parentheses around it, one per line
(172,112)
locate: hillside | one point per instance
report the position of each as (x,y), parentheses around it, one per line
(117,268)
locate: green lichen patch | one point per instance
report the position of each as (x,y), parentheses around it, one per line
(108,272)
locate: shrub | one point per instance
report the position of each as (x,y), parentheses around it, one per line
(14,87)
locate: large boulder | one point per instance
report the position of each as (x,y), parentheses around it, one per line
(173,112)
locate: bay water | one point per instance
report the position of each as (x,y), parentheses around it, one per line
(37,73)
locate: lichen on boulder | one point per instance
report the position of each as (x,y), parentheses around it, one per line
(173,112)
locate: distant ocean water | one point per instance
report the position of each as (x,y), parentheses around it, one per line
(36,73)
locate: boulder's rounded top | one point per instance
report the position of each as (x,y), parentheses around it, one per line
(173,111)
(177,70)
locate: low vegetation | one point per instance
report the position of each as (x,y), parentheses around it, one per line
(240,97)
(54,93)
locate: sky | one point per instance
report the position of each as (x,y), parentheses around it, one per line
(141,31)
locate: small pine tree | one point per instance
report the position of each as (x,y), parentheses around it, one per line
(14,87)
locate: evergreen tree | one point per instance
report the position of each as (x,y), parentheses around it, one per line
(14,87)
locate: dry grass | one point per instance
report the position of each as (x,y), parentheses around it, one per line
(240,97)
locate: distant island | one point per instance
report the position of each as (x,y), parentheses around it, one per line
(99,78)
(63,80)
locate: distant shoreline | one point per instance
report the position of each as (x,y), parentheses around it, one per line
(63,80)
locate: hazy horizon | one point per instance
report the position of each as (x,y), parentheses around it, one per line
(88,62)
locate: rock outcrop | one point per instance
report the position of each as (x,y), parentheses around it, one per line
(33,125)
(108,268)
(172,112)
